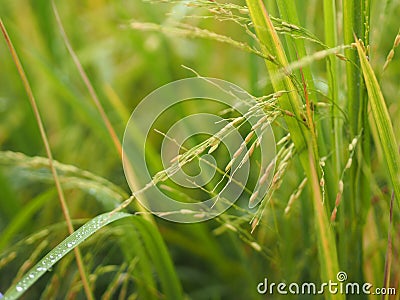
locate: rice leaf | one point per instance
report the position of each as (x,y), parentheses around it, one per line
(66,246)
(148,233)
(382,121)
(303,138)
(159,254)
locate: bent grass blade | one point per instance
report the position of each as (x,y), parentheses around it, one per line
(381,117)
(66,246)
(153,244)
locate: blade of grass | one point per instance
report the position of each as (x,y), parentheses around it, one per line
(132,248)
(330,25)
(331,65)
(271,46)
(87,82)
(152,242)
(296,48)
(297,51)
(355,21)
(352,23)
(159,255)
(66,246)
(95,99)
(46,143)
(326,241)
(381,117)
(389,250)
(302,137)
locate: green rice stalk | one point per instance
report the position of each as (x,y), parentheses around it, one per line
(330,25)
(303,138)
(381,117)
(356,21)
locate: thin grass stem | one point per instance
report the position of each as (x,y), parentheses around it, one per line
(49,154)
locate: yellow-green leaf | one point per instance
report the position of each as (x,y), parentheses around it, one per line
(382,121)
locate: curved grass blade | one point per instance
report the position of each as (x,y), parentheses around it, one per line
(132,248)
(66,246)
(303,138)
(87,82)
(272,47)
(151,242)
(159,255)
(383,124)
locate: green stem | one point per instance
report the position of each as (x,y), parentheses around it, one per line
(297,50)
(332,68)
(303,137)
(355,23)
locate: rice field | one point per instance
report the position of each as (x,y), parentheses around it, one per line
(199,149)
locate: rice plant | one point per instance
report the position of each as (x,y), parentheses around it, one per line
(321,76)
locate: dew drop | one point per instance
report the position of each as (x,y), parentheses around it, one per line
(19,289)
(40,269)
